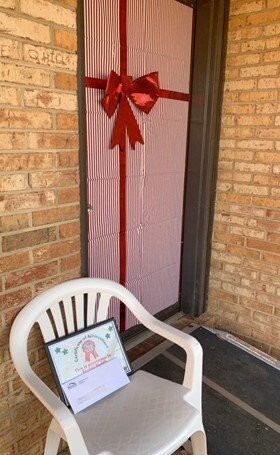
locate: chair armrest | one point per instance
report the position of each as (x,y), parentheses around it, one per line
(193,369)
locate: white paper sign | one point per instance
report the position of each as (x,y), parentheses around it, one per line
(88,388)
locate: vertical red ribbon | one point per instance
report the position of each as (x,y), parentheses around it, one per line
(122,162)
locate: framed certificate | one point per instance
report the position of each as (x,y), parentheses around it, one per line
(82,351)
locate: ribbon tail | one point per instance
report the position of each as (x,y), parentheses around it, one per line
(118,137)
(133,130)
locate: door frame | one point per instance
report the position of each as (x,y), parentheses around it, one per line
(209,33)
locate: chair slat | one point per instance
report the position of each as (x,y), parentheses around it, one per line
(91,304)
(46,327)
(57,316)
(69,315)
(103,307)
(80,311)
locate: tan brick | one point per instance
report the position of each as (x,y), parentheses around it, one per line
(14,202)
(250,189)
(19,278)
(237,154)
(69,230)
(260,70)
(72,3)
(240,109)
(24,28)
(236,22)
(55,215)
(48,11)
(275,238)
(46,284)
(253,45)
(8,4)
(65,81)
(271,56)
(266,179)
(273,214)
(237,132)
(258,96)
(50,100)
(229,218)
(269,82)
(275,192)
(250,84)
(56,250)
(222,295)
(29,239)
(267,133)
(68,195)
(20,74)
(272,43)
(273,4)
(256,120)
(70,262)
(68,159)
(255,145)
(24,119)
(11,141)
(263,17)
(255,265)
(53,141)
(13,222)
(247,7)
(9,95)
(247,210)
(242,60)
(271,29)
(267,224)
(13,182)
(230,97)
(235,176)
(241,230)
(67,121)
(266,108)
(49,57)
(9,49)
(53,179)
(268,157)
(245,33)
(231,73)
(271,258)
(245,252)
(16,298)
(258,306)
(252,167)
(229,238)
(235,198)
(24,161)
(65,39)
(14,261)
(265,246)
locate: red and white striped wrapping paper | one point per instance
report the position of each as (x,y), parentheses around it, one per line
(158,39)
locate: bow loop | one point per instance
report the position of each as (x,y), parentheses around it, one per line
(143,92)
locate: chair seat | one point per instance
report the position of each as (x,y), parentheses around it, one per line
(147,417)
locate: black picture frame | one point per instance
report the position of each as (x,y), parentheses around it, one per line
(83,350)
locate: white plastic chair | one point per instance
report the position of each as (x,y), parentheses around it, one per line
(150,416)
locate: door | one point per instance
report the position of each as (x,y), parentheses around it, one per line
(137,67)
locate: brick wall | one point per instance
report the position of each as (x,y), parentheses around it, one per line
(39,185)
(244,293)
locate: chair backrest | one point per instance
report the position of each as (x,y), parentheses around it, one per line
(73,305)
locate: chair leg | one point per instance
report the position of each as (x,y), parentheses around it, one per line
(52,443)
(199,445)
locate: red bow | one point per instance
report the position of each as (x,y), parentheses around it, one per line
(143,92)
